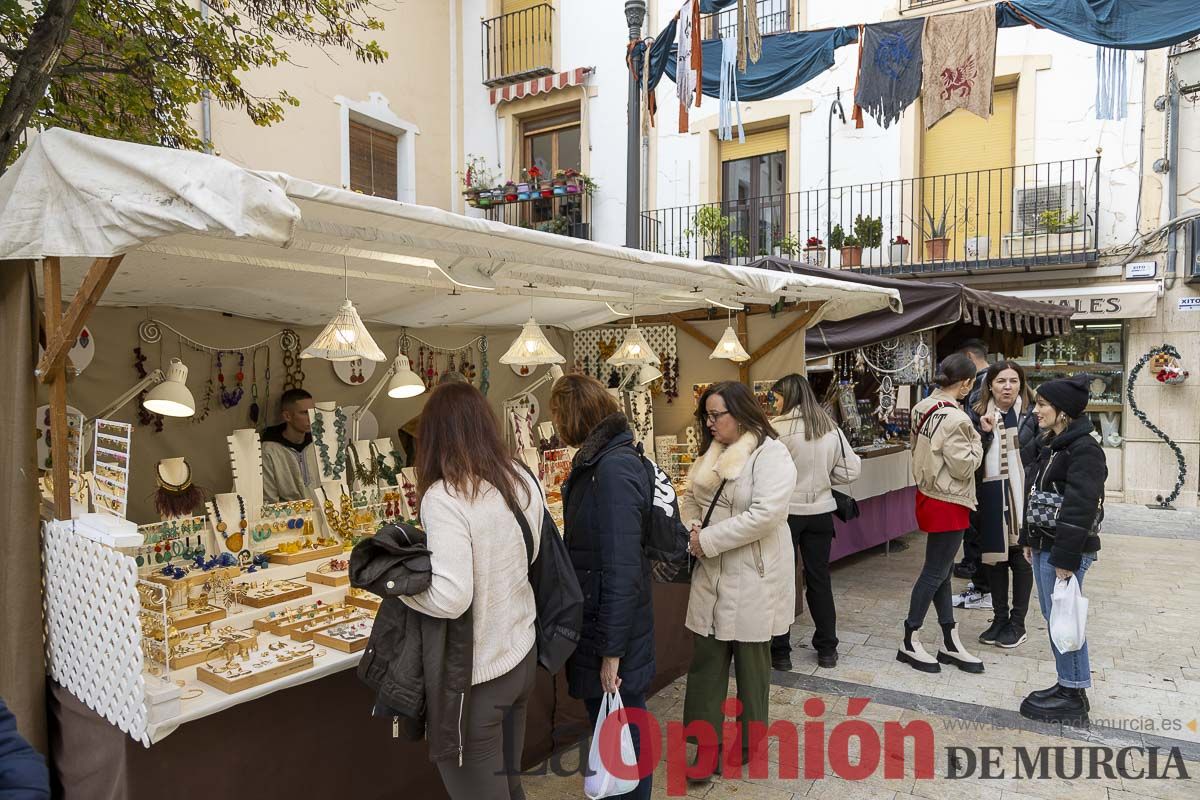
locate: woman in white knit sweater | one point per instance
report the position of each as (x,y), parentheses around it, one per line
(470,490)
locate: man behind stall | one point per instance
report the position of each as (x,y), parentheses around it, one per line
(289,468)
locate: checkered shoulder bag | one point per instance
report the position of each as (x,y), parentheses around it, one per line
(1044,508)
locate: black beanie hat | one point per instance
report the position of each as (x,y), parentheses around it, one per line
(1068,395)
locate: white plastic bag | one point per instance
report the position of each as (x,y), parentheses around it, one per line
(1068,615)
(599,782)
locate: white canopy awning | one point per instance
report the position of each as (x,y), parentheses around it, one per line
(201,232)
(1101,301)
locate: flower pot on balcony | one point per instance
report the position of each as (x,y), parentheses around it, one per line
(936,249)
(560,188)
(471,196)
(1045,244)
(851,256)
(482,200)
(978,247)
(547,189)
(900,253)
(814,256)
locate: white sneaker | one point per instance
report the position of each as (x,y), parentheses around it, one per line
(979,601)
(970,594)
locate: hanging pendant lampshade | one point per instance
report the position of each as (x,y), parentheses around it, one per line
(730,347)
(634,350)
(532,348)
(345,338)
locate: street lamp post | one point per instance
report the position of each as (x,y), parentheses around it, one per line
(635,15)
(836,107)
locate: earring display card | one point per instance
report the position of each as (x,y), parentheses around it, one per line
(111,456)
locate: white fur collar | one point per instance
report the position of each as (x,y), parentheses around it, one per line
(724,463)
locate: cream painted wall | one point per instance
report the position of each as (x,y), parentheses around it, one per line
(415,79)
(203,444)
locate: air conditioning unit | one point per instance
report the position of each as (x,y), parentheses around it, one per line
(1030,203)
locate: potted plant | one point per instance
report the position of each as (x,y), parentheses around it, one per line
(739,245)
(899,250)
(851,250)
(869,232)
(511,193)
(711,227)
(787,245)
(937,244)
(587,185)
(814,252)
(527,185)
(1056,231)
(560,182)
(477,179)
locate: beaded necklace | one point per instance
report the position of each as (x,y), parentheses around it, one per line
(233,541)
(331,468)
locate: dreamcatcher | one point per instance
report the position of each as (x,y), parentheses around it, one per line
(904,360)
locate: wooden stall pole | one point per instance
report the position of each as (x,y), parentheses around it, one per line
(743,332)
(69,325)
(692,331)
(57,376)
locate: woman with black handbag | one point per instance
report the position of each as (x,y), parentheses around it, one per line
(1061,535)
(823,459)
(605,500)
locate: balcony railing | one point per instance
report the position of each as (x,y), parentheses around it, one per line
(919,5)
(774,16)
(566,215)
(1011,218)
(518,45)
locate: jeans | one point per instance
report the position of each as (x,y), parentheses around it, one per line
(642,792)
(933,584)
(812,539)
(1022,586)
(1074,670)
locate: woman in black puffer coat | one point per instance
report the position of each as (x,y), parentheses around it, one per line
(1068,462)
(604,503)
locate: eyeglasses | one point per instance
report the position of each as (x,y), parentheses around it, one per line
(713,416)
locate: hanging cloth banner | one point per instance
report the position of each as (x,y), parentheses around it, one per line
(1112,86)
(788,60)
(749,35)
(688,60)
(959,63)
(1123,24)
(729,97)
(889,79)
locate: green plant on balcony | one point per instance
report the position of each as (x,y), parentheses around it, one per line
(559,224)
(478,178)
(739,245)
(711,227)
(788,245)
(1053,220)
(837,237)
(935,225)
(868,231)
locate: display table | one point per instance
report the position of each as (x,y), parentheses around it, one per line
(886,496)
(291,738)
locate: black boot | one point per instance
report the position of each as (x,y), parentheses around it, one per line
(781,652)
(1064,705)
(1042,694)
(998,624)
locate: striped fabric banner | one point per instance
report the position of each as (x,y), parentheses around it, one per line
(549,83)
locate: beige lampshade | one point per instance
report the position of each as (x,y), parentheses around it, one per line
(634,350)
(532,348)
(730,347)
(405,383)
(171,398)
(345,338)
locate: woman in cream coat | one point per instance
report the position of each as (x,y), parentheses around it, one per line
(744,582)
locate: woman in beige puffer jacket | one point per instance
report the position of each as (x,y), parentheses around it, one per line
(743,583)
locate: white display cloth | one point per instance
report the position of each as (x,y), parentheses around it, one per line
(882,475)
(201,232)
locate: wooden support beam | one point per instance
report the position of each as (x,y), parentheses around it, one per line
(691,330)
(799,324)
(62,336)
(57,376)
(743,332)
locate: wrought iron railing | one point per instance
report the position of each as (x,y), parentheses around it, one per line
(917,5)
(774,16)
(518,45)
(1030,215)
(566,215)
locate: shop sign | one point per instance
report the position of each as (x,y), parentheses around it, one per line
(1119,301)
(1141,269)
(1189,304)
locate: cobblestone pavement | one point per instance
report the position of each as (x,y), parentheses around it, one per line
(1144,638)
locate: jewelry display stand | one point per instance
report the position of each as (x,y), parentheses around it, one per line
(330,440)
(234,539)
(362,449)
(385,448)
(332,491)
(408,492)
(245,456)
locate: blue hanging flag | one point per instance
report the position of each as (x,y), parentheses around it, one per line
(1123,24)
(890,77)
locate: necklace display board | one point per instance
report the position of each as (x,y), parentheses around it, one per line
(227,516)
(330,438)
(388,460)
(364,472)
(111,462)
(641,406)
(245,456)
(521,415)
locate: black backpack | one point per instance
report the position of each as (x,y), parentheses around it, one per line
(664,538)
(556,593)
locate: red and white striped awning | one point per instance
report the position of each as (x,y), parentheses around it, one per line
(548,83)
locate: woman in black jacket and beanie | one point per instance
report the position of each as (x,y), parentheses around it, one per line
(1069,463)
(604,503)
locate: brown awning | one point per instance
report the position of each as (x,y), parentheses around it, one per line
(926,306)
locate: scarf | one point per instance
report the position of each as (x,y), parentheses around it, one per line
(749,34)
(958,63)
(1002,487)
(689,60)
(889,77)
(729,107)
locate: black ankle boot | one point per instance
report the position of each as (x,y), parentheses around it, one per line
(1042,694)
(1065,705)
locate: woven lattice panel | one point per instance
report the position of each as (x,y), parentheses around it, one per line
(592,348)
(93,634)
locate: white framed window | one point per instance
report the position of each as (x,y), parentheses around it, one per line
(378,149)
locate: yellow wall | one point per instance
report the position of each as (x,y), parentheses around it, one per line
(415,79)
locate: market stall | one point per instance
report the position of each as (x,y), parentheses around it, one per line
(872,369)
(222,611)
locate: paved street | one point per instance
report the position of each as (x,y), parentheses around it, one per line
(1144,635)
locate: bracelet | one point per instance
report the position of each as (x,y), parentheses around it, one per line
(189,696)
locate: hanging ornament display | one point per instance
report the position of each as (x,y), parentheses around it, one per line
(355,372)
(1159,352)
(904,360)
(231,397)
(594,346)
(432,363)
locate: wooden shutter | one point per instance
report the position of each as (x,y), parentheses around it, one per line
(756,144)
(373,161)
